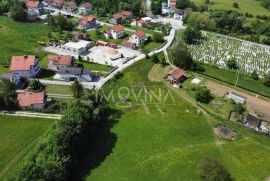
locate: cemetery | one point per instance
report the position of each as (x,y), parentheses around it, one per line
(217,49)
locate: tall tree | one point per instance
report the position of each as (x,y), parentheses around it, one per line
(8,96)
(192,34)
(77,89)
(181,56)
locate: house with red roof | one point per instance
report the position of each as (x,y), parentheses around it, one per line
(176,75)
(87,22)
(25,66)
(56,62)
(85,8)
(127,15)
(129,44)
(115,32)
(139,23)
(172,3)
(35,5)
(116,18)
(31,100)
(139,37)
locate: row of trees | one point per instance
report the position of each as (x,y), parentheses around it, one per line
(57,154)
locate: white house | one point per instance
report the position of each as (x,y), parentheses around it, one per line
(25,66)
(139,37)
(77,48)
(74,73)
(115,32)
(85,8)
(139,23)
(178,14)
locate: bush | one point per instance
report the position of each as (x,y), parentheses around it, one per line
(238,108)
(254,75)
(203,95)
(77,89)
(266,81)
(36,86)
(235,5)
(155,58)
(209,169)
(232,64)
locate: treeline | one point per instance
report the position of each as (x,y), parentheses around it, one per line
(16,9)
(230,23)
(58,153)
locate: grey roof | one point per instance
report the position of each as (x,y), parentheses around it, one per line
(253,120)
(74,70)
(224,130)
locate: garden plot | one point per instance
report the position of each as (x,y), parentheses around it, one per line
(218,49)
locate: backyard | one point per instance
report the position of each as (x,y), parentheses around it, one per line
(18,135)
(165,140)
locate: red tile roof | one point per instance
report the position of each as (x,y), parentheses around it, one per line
(128,44)
(117,16)
(118,28)
(26,99)
(126,13)
(88,18)
(87,5)
(140,33)
(60,60)
(177,73)
(22,63)
(32,4)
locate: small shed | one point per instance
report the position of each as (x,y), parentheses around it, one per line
(236,97)
(253,121)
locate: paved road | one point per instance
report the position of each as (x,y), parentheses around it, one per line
(33,114)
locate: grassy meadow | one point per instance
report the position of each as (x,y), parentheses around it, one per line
(164,138)
(18,135)
(251,6)
(20,39)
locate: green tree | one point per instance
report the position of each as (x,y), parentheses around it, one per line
(239,108)
(17,12)
(8,96)
(36,86)
(254,75)
(156,7)
(181,56)
(232,64)
(209,169)
(203,95)
(157,37)
(77,89)
(236,5)
(154,58)
(266,81)
(182,4)
(192,34)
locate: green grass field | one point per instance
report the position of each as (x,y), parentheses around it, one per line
(250,6)
(18,135)
(164,140)
(58,89)
(20,39)
(244,82)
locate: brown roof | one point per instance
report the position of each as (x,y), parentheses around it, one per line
(60,60)
(126,13)
(128,44)
(32,4)
(141,21)
(87,5)
(58,1)
(117,16)
(177,73)
(88,18)
(22,63)
(118,28)
(26,99)
(140,33)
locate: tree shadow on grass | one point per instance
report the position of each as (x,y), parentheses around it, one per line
(100,146)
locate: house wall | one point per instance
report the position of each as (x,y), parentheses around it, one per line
(117,35)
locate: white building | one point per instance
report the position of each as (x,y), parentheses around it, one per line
(138,37)
(237,98)
(77,48)
(115,32)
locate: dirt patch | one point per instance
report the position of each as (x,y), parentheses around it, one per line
(255,104)
(157,73)
(224,132)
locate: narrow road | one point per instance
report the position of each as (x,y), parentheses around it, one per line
(33,114)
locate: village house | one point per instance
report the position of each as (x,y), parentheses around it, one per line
(56,62)
(130,45)
(252,121)
(176,76)
(139,23)
(116,19)
(236,97)
(69,6)
(35,5)
(85,8)
(139,37)
(31,100)
(77,48)
(87,22)
(25,66)
(115,32)
(178,14)
(74,73)
(57,4)
(172,3)
(20,82)
(31,15)
(127,15)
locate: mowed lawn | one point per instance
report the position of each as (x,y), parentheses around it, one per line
(18,135)
(20,38)
(251,6)
(164,139)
